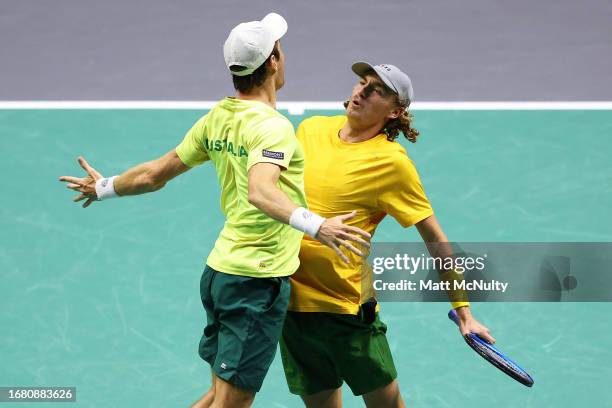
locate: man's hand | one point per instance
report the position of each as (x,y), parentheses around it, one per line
(86,185)
(467,324)
(335,234)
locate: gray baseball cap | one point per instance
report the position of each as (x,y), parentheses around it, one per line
(392,76)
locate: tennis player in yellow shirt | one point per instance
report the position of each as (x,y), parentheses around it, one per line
(354,163)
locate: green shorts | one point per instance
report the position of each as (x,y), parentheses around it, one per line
(321,350)
(244,323)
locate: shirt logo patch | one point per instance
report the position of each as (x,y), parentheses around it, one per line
(273,155)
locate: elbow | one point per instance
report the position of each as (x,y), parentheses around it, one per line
(254,198)
(257,195)
(261,194)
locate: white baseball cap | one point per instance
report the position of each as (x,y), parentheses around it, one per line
(392,76)
(250,44)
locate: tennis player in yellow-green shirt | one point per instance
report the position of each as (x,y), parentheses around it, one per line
(259,164)
(354,163)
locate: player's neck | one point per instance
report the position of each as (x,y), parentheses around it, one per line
(353,133)
(265,93)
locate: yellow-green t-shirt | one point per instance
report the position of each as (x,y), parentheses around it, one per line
(235,135)
(375,177)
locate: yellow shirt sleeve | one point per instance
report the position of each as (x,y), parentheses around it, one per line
(191,150)
(273,142)
(401,194)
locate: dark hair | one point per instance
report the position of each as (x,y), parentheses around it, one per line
(245,84)
(400,124)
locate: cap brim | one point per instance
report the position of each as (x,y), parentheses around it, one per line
(276,24)
(361,68)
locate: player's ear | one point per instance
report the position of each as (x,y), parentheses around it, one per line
(273,64)
(396,113)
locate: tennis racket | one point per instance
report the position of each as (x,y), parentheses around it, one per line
(494,356)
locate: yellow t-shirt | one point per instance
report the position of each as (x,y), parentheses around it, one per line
(235,135)
(375,177)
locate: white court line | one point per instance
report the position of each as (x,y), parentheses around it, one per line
(297,108)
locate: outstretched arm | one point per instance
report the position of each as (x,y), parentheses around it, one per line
(143,178)
(265,195)
(439,247)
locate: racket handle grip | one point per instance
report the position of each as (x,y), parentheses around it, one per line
(453,316)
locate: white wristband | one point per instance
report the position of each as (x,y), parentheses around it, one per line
(105,188)
(306,221)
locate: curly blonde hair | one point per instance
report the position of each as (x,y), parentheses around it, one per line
(401,124)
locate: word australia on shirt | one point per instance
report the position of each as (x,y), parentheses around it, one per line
(222,145)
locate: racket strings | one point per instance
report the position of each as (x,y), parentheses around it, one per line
(499,361)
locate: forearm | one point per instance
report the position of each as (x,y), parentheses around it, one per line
(444,251)
(139,179)
(435,239)
(150,176)
(272,201)
(265,194)
(439,248)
